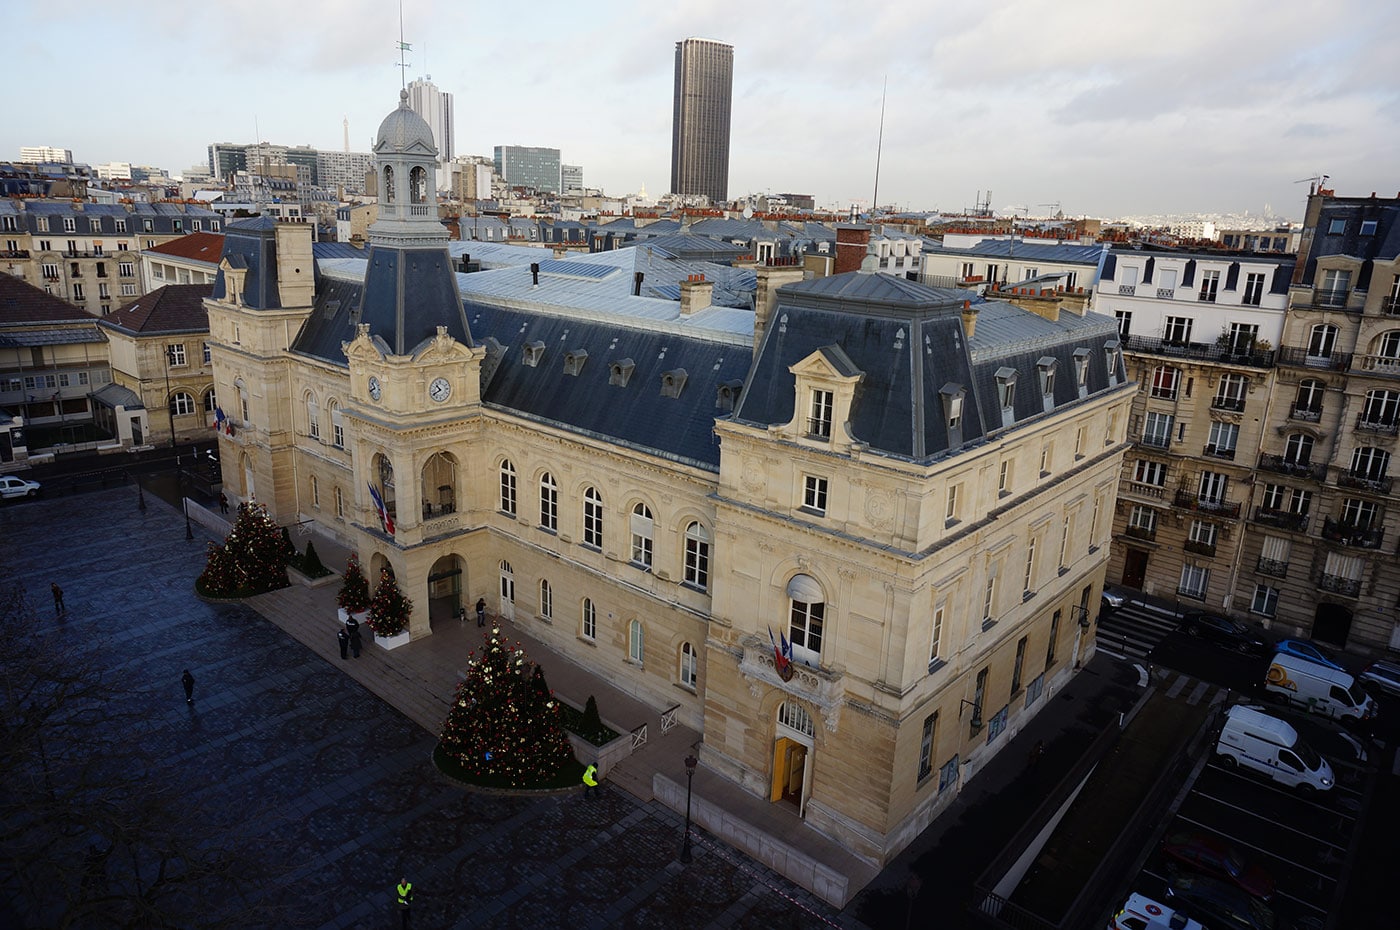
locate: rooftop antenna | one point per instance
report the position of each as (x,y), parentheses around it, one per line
(403,47)
(879,144)
(1316,182)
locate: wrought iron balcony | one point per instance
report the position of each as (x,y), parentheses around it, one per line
(1235,355)
(1302,357)
(1191,501)
(1282,519)
(1331,299)
(1235,404)
(1347,587)
(1219,452)
(1198,547)
(1283,466)
(1348,535)
(1364,425)
(1346,479)
(1272,567)
(1127,290)
(1148,533)
(1304,414)
(1191,593)
(1156,442)
(1166,293)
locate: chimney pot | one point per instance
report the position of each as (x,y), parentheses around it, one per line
(535,273)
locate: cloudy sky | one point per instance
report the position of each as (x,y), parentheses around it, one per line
(1108,108)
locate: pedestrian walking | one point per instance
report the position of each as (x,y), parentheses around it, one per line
(1033,760)
(223,502)
(344,639)
(481,612)
(188,681)
(57,598)
(590,782)
(355,642)
(405,892)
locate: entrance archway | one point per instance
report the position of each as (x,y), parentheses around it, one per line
(507,604)
(793,744)
(445,584)
(1331,624)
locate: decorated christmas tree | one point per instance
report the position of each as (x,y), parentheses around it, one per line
(504,724)
(354,588)
(389,610)
(253,558)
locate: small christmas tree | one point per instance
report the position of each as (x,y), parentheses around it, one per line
(218,578)
(389,611)
(504,724)
(252,559)
(311,563)
(354,589)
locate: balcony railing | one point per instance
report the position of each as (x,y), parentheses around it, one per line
(1283,466)
(1148,533)
(1235,404)
(1144,490)
(1302,357)
(1198,547)
(1272,567)
(1281,519)
(1377,426)
(1156,442)
(1219,452)
(1347,587)
(1235,355)
(1384,365)
(1166,293)
(1304,414)
(1191,501)
(1127,290)
(1348,535)
(1331,299)
(1346,479)
(1191,593)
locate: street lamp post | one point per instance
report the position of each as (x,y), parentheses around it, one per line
(185,505)
(690,763)
(169,400)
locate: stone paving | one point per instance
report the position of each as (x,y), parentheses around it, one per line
(339,783)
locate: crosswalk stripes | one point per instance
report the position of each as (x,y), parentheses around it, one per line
(1132,631)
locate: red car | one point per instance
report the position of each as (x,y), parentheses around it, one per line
(1213,856)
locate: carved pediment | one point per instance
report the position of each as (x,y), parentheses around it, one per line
(821,687)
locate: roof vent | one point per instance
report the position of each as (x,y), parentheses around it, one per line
(727,397)
(620,372)
(673,382)
(574,360)
(531,353)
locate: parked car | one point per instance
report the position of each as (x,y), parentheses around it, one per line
(1322,734)
(15,486)
(1381,677)
(1306,649)
(1213,856)
(1111,599)
(1140,912)
(1218,905)
(1318,688)
(1226,631)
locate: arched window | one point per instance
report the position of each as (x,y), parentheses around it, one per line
(339,504)
(313,416)
(690,665)
(337,426)
(388,191)
(210,401)
(1307,403)
(806,617)
(1321,341)
(315,493)
(507,588)
(697,556)
(242,401)
(1381,409)
(507,487)
(546,600)
(795,717)
(549,503)
(1388,347)
(417,185)
(636,647)
(181,403)
(439,484)
(588,620)
(642,528)
(1298,449)
(1369,463)
(384,471)
(593,518)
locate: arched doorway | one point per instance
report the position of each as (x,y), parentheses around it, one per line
(378,564)
(1331,624)
(507,606)
(793,744)
(445,583)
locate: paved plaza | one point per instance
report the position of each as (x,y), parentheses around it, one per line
(339,782)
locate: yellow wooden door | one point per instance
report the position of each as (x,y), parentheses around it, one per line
(781,758)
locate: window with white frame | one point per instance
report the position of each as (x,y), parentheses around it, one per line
(1360,514)
(1125,323)
(1148,472)
(642,528)
(951,510)
(1369,463)
(1213,487)
(948,775)
(636,644)
(1265,600)
(814,490)
(313,416)
(1028,583)
(337,427)
(1046,370)
(1322,339)
(508,487)
(1019,667)
(1195,579)
(1157,429)
(1006,389)
(1223,438)
(1210,286)
(205,354)
(1177,330)
(1143,519)
(593,518)
(1064,540)
(1204,533)
(1230,392)
(1332,292)
(989,597)
(1051,646)
(1004,477)
(819,417)
(926,746)
(1345,567)
(1298,449)
(588,621)
(1253,294)
(690,666)
(697,556)
(182,403)
(546,600)
(1079,442)
(806,617)
(128,290)
(1165,382)
(549,503)
(1382,409)
(937,639)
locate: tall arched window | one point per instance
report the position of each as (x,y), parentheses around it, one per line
(384,471)
(549,503)
(242,402)
(795,717)
(697,556)
(210,401)
(1307,403)
(642,528)
(1298,449)
(1388,348)
(388,191)
(690,665)
(546,600)
(1322,339)
(507,487)
(313,416)
(337,426)
(636,647)
(1381,410)
(593,518)
(806,618)
(417,185)
(1369,463)
(588,620)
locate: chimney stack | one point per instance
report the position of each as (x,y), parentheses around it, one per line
(852,242)
(535,274)
(969,319)
(637,277)
(696,294)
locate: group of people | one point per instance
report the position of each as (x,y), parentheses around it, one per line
(349,636)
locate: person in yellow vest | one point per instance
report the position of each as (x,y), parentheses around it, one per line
(405,890)
(590,781)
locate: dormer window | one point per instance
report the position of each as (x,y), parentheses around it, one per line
(1081,370)
(819,418)
(574,361)
(727,396)
(1006,388)
(953,396)
(1046,367)
(531,353)
(673,382)
(1110,360)
(620,372)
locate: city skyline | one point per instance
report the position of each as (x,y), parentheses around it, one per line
(1084,105)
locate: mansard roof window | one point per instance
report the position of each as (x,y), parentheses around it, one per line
(531,353)
(620,372)
(673,382)
(574,361)
(727,396)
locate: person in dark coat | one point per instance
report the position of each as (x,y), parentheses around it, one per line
(344,639)
(352,626)
(355,641)
(481,612)
(223,502)
(57,598)
(188,681)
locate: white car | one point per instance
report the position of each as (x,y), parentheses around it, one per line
(1111,599)
(15,486)
(1142,913)
(1383,677)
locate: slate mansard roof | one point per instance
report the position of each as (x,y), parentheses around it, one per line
(251,244)
(907,339)
(1351,215)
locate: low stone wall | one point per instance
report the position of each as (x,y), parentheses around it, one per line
(604,756)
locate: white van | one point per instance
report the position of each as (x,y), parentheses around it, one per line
(1269,745)
(1320,689)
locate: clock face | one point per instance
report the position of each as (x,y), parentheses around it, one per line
(374,388)
(440,389)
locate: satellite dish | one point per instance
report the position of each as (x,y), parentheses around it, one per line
(748,211)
